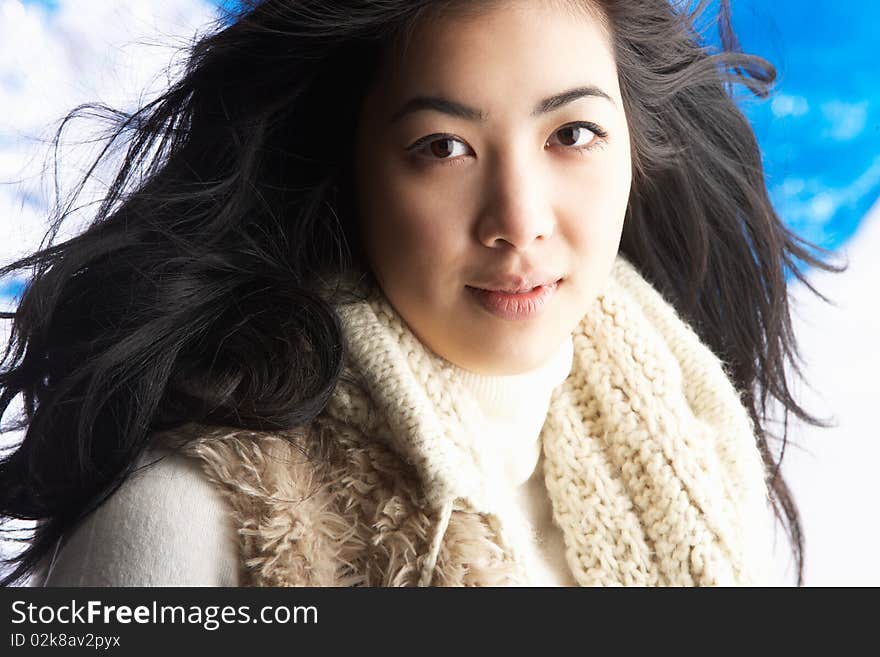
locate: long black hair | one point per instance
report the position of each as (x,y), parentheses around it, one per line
(201,291)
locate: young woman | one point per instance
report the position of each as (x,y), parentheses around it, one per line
(417,293)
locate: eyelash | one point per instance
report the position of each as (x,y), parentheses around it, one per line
(581,150)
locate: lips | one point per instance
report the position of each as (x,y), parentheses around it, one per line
(517,283)
(515,306)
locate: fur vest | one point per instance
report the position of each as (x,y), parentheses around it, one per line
(650,463)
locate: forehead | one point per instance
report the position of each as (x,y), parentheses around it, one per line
(493,54)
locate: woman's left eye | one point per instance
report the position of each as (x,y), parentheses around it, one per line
(582,135)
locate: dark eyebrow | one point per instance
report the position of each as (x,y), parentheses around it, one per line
(462,111)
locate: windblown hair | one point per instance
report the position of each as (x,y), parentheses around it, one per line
(202,290)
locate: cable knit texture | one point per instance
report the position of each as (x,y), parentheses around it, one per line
(649,461)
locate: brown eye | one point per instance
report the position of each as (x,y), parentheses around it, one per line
(570,135)
(441,148)
(581,136)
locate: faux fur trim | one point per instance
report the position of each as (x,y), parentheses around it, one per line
(331,509)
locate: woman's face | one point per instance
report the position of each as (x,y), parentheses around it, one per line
(495,154)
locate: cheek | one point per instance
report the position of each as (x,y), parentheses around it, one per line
(409,225)
(596,205)
(595,211)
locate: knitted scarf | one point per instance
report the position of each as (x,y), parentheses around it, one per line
(650,459)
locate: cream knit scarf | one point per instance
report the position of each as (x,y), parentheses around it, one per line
(650,461)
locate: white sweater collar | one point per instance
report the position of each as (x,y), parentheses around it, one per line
(514,408)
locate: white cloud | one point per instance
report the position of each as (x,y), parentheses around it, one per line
(785,105)
(811,201)
(822,207)
(847,119)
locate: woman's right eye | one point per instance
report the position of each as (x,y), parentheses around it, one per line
(439,147)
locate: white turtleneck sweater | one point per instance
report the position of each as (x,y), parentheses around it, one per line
(515,408)
(167,526)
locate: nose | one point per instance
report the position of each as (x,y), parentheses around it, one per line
(518,208)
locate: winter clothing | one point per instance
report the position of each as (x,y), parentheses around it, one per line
(168,526)
(648,457)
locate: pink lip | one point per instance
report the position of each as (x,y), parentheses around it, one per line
(526,305)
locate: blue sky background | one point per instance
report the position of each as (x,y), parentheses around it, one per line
(819,133)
